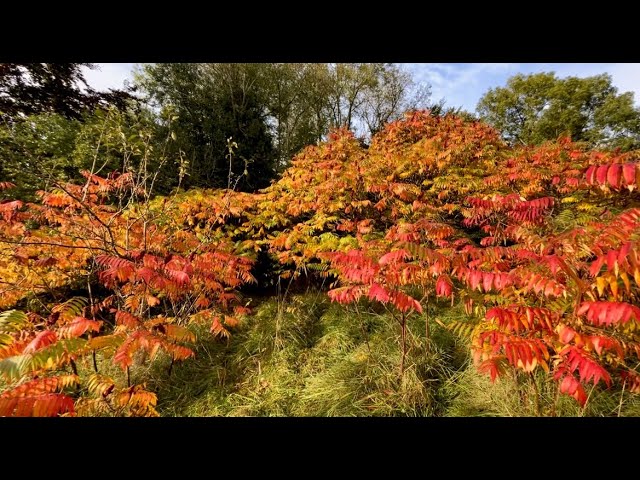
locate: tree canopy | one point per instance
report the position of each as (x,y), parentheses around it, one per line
(31,88)
(535,108)
(271,111)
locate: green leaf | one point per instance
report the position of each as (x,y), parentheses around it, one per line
(12,320)
(12,368)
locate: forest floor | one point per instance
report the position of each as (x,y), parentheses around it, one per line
(308,357)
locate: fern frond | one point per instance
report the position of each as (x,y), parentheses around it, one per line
(13,321)
(462,329)
(100,385)
(42,385)
(44,405)
(72,308)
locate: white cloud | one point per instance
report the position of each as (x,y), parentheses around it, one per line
(109,75)
(461,84)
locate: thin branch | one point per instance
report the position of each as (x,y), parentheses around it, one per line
(56,245)
(94,215)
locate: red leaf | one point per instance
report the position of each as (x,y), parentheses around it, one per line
(345,294)
(41,340)
(127,319)
(614,174)
(404,302)
(45,405)
(379,293)
(444,286)
(596,266)
(624,252)
(589,369)
(178,352)
(40,386)
(146,274)
(601,343)
(178,276)
(566,333)
(8,209)
(571,386)
(475,277)
(45,262)
(487,281)
(629,175)
(79,326)
(394,257)
(601,174)
(609,313)
(612,260)
(493,367)
(632,379)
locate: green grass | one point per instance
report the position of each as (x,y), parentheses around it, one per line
(512,396)
(309,357)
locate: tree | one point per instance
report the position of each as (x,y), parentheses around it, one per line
(365,96)
(535,108)
(41,149)
(305,101)
(288,105)
(393,93)
(213,103)
(48,113)
(295,96)
(31,88)
(96,233)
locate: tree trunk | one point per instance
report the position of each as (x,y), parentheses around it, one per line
(403,324)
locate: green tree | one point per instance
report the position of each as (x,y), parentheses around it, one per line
(42,149)
(272,111)
(295,96)
(32,88)
(366,96)
(211,104)
(535,108)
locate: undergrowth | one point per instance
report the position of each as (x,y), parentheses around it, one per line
(307,356)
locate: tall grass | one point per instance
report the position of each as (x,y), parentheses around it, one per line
(309,357)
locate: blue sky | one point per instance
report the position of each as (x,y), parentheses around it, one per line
(460,84)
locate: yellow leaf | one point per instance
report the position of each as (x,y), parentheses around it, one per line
(601,284)
(625,280)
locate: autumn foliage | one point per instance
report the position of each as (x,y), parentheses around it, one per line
(144,279)
(539,244)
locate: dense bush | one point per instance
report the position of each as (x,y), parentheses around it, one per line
(535,247)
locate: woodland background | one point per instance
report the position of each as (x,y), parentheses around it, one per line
(316,239)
